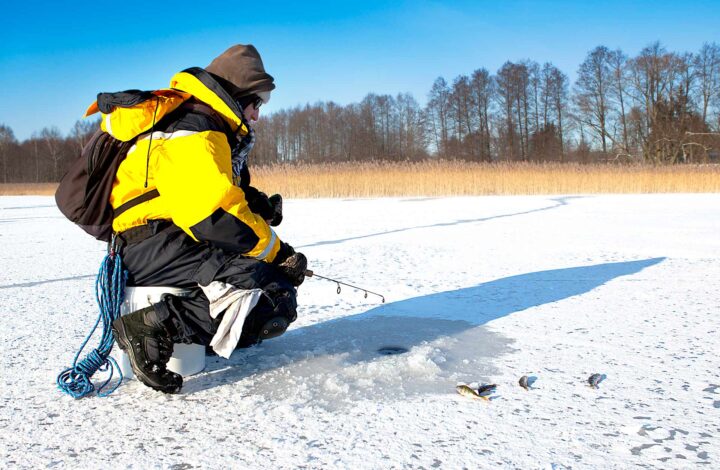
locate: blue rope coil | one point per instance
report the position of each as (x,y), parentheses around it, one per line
(109,292)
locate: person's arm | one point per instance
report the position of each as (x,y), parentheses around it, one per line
(269,208)
(195,182)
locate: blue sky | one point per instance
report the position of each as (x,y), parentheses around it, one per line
(56,56)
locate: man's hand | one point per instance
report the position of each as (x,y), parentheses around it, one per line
(294,268)
(276,202)
(258,202)
(269,208)
(283,253)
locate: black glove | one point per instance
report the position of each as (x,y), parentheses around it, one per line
(294,268)
(283,253)
(258,202)
(269,208)
(276,203)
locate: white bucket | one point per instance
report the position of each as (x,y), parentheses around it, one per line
(187,359)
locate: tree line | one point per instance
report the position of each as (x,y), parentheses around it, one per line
(658,107)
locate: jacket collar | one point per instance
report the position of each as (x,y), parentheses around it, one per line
(205,88)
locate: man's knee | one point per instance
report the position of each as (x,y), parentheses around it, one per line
(272,315)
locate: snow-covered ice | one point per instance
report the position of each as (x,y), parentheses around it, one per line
(482,289)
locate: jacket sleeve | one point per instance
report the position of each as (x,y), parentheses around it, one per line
(195,182)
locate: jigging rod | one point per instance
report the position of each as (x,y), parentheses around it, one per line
(309,273)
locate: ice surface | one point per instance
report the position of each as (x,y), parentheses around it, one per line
(478,290)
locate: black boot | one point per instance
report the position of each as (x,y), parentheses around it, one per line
(149,346)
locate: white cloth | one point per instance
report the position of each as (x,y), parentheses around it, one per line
(237,304)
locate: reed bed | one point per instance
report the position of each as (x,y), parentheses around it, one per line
(449,178)
(471,179)
(27,189)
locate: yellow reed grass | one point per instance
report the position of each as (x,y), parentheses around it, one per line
(448,178)
(27,189)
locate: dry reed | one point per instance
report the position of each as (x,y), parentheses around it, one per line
(27,189)
(448,178)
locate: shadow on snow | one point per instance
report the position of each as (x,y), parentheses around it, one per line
(46,281)
(458,314)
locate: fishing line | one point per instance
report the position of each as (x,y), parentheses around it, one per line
(309,273)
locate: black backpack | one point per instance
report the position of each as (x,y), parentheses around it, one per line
(83,195)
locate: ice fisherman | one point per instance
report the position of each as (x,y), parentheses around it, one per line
(186,216)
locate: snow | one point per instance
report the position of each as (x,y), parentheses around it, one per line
(478,290)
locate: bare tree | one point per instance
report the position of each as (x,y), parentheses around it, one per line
(482,91)
(661,106)
(618,65)
(707,67)
(522,84)
(668,125)
(438,108)
(461,108)
(652,77)
(592,92)
(534,89)
(506,100)
(82,131)
(649,84)
(410,131)
(7,139)
(554,99)
(512,86)
(53,145)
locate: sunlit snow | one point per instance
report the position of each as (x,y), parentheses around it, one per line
(478,290)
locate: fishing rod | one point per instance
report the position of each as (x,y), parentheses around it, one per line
(309,273)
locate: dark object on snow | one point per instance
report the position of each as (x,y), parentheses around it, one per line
(485,390)
(524,382)
(149,346)
(594,380)
(392,350)
(527,382)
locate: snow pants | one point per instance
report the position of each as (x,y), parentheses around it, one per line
(162,254)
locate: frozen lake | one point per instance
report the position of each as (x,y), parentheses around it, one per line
(478,289)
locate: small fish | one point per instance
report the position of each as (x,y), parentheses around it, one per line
(524,382)
(485,390)
(594,380)
(467,391)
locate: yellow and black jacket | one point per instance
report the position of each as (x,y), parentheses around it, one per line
(182,169)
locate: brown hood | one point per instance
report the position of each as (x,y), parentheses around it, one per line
(242,67)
